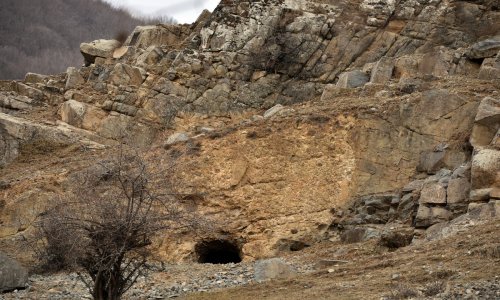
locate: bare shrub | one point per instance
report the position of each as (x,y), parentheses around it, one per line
(396,239)
(104,230)
(402,291)
(444,274)
(434,288)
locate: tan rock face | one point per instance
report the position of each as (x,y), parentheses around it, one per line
(277,186)
(388,150)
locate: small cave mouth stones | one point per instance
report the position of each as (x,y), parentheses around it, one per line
(218,252)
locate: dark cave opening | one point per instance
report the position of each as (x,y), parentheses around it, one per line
(218,252)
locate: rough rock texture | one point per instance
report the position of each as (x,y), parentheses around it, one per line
(485,48)
(99,48)
(73,78)
(298,118)
(12,274)
(272,269)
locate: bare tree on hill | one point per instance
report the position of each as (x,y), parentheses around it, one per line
(104,230)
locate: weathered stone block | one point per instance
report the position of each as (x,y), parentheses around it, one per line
(415,185)
(73,78)
(34,78)
(487,122)
(427,216)
(490,69)
(72,112)
(406,208)
(81,115)
(485,168)
(458,190)
(495,193)
(352,79)
(481,135)
(272,269)
(488,112)
(124,74)
(358,234)
(433,161)
(98,48)
(28,91)
(433,193)
(480,195)
(382,71)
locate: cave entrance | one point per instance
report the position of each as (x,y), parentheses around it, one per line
(218,252)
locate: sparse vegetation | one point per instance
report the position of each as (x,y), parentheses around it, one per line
(44,36)
(434,288)
(402,291)
(104,230)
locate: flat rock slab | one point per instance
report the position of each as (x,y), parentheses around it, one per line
(98,48)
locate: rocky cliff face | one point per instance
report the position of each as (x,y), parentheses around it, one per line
(288,121)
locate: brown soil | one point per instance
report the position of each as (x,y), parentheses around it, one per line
(372,272)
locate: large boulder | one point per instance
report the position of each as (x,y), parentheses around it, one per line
(485,48)
(490,68)
(486,123)
(124,74)
(81,115)
(488,112)
(12,274)
(73,78)
(485,169)
(98,48)
(272,268)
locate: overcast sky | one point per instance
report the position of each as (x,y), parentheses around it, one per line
(184,11)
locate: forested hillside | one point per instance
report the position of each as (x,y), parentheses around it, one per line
(43,36)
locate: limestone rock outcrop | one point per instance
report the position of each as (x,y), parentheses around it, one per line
(286,121)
